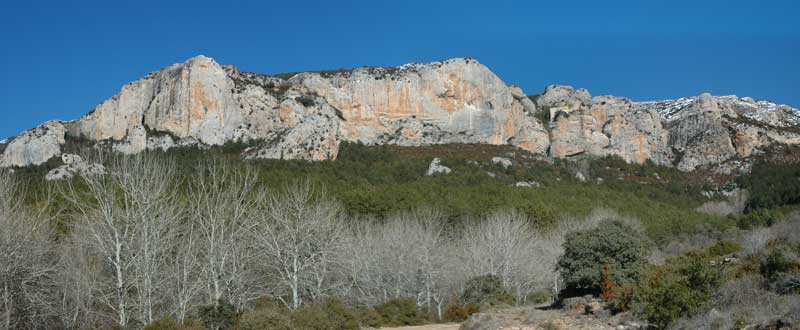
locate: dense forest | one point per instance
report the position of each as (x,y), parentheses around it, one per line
(199,239)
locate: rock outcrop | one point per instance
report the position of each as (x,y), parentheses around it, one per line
(307,115)
(74,165)
(33,147)
(436,167)
(689,133)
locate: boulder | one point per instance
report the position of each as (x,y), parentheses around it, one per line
(502,161)
(580,177)
(527,184)
(69,159)
(436,167)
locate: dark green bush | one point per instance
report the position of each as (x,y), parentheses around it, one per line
(328,315)
(679,289)
(776,265)
(266,318)
(306,100)
(170,324)
(486,290)
(368,317)
(399,312)
(723,247)
(614,244)
(219,316)
(772,185)
(759,218)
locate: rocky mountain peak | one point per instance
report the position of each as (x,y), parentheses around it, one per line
(306,115)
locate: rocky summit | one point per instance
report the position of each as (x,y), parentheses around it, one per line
(307,115)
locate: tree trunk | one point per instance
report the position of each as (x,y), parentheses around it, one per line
(121,314)
(6,307)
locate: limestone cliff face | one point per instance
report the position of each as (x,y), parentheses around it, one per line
(689,133)
(454,101)
(307,115)
(189,100)
(35,146)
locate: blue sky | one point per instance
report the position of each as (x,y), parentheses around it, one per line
(61,58)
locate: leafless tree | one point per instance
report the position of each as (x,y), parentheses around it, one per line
(496,245)
(408,255)
(300,231)
(224,203)
(126,220)
(78,280)
(186,270)
(26,266)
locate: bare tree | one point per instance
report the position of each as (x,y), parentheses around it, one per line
(186,269)
(79,278)
(504,244)
(409,255)
(126,219)
(26,266)
(300,231)
(224,205)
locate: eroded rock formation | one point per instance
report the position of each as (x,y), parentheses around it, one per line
(307,115)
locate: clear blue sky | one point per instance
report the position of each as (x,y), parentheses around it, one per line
(61,58)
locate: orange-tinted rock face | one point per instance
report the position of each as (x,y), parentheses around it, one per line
(607,126)
(461,99)
(308,115)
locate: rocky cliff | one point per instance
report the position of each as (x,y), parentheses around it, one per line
(307,115)
(724,133)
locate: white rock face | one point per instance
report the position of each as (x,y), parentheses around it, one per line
(436,167)
(453,101)
(308,115)
(35,146)
(689,133)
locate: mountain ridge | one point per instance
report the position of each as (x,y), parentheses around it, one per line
(306,115)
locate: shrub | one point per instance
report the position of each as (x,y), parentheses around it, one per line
(369,317)
(540,297)
(670,292)
(458,312)
(398,312)
(329,315)
(608,291)
(486,290)
(266,318)
(723,247)
(613,244)
(170,324)
(219,316)
(759,218)
(772,185)
(776,265)
(306,100)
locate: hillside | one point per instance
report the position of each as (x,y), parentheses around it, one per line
(436,195)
